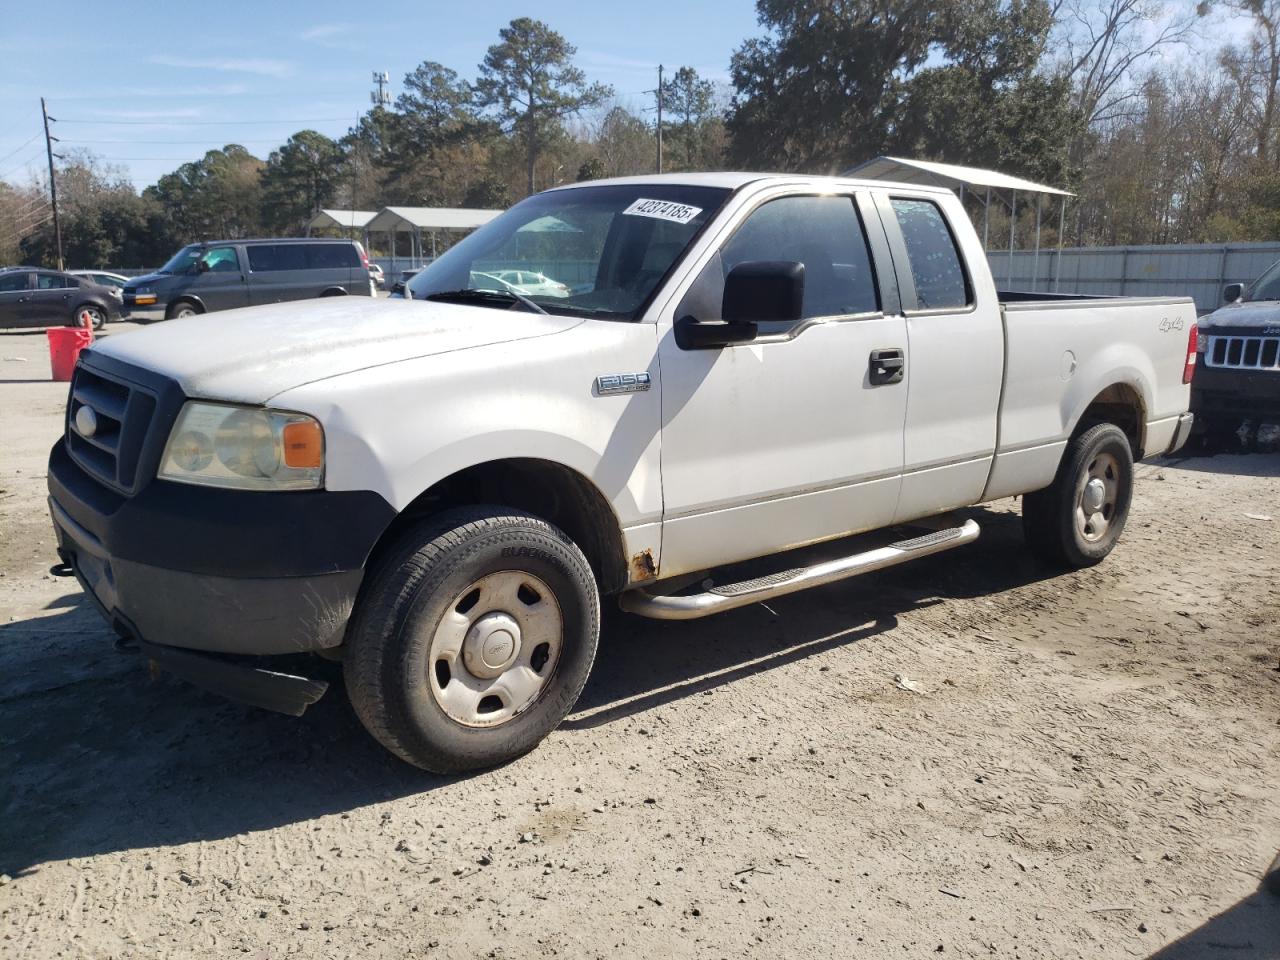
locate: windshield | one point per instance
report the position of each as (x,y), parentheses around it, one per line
(182,260)
(597,251)
(1267,286)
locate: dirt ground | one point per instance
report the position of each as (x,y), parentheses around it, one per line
(1079,765)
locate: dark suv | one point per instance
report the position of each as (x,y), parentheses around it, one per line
(225,274)
(1238,368)
(30,297)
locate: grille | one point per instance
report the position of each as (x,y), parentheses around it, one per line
(124,412)
(1244,353)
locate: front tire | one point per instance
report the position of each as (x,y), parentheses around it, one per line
(473,639)
(183,308)
(1076,521)
(89,316)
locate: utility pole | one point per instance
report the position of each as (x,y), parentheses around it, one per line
(53,183)
(659,118)
(382,96)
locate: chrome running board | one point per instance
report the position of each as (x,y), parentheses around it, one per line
(729,596)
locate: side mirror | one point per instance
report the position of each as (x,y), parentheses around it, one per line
(754,292)
(202,266)
(1233,293)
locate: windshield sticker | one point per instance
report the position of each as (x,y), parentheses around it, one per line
(662,210)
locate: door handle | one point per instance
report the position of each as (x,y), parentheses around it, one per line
(887,366)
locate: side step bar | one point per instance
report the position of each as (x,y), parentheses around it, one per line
(733,595)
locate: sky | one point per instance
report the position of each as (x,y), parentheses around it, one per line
(149,86)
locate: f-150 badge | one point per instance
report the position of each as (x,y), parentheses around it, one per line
(622,383)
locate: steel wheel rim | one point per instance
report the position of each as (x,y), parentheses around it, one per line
(495,649)
(90,317)
(1097,496)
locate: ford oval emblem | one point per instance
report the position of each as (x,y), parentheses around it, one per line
(86,422)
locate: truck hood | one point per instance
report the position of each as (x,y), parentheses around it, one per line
(252,354)
(1261,314)
(137,283)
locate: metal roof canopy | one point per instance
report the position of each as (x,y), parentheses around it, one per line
(962,179)
(402,219)
(341,219)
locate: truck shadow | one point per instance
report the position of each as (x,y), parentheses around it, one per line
(1251,928)
(99,758)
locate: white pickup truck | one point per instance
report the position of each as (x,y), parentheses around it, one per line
(712,369)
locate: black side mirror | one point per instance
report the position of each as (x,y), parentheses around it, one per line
(1233,293)
(754,292)
(202,266)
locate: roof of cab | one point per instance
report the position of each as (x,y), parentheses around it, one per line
(734,180)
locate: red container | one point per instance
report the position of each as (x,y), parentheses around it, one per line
(65,344)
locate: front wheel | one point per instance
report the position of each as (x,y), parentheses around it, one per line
(183,308)
(90,316)
(473,639)
(1078,519)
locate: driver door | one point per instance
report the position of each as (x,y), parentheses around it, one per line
(785,440)
(224,284)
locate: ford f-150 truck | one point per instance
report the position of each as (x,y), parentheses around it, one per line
(740,372)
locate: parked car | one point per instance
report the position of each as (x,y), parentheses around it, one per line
(439,491)
(31,297)
(1238,368)
(377,276)
(224,274)
(528,282)
(112,281)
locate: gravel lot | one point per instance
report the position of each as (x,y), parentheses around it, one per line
(1079,765)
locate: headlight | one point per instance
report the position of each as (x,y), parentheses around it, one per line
(1202,342)
(247,448)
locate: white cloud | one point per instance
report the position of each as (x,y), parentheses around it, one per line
(334,36)
(261,66)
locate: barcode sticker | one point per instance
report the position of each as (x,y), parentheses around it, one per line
(663,210)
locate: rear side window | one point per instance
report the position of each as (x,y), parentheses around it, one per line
(18,280)
(51,281)
(331,256)
(268,257)
(935,262)
(823,233)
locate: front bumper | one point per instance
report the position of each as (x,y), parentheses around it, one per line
(1227,392)
(224,571)
(144,313)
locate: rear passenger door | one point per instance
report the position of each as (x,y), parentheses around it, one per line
(955,353)
(277,272)
(51,300)
(15,299)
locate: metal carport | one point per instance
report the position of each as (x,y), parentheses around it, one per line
(349,220)
(430,220)
(962,179)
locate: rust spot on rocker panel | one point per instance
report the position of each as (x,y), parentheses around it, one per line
(643,567)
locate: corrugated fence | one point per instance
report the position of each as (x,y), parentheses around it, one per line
(1198,270)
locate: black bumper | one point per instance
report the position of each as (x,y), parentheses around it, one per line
(1226,392)
(216,570)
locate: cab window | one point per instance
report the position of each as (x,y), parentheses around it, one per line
(931,250)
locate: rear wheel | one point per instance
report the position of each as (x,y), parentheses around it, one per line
(1078,519)
(473,639)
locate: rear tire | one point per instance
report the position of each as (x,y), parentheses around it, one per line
(1076,521)
(473,639)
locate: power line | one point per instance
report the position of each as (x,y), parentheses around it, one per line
(179,122)
(169,142)
(23,147)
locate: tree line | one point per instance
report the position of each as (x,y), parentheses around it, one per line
(1116,100)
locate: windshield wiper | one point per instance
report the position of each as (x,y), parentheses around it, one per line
(469,294)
